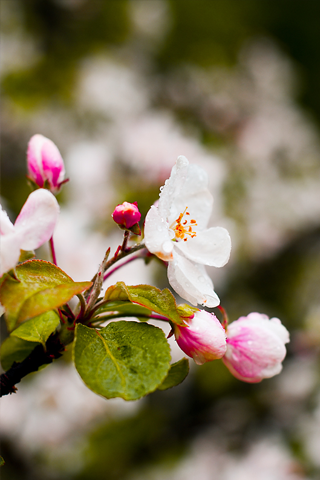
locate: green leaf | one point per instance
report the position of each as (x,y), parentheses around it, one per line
(124,359)
(49,299)
(39,286)
(2,462)
(161,302)
(155,300)
(14,349)
(126,308)
(38,329)
(176,375)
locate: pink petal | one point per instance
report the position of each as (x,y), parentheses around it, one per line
(204,338)
(9,251)
(34,160)
(37,219)
(53,166)
(6,226)
(256,347)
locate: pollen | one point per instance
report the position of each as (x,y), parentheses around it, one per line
(183,227)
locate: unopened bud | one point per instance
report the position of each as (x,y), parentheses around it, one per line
(45,164)
(255,347)
(127,216)
(203,339)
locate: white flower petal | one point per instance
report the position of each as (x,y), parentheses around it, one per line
(9,251)
(157,235)
(37,219)
(6,226)
(279,329)
(210,247)
(186,187)
(191,282)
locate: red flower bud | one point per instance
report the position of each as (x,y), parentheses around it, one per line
(126,215)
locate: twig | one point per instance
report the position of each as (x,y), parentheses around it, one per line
(107,275)
(121,255)
(53,253)
(36,359)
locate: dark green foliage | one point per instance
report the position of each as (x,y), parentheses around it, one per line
(124,359)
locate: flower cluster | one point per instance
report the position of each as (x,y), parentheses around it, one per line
(176,231)
(252,347)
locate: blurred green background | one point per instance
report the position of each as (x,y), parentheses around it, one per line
(123,87)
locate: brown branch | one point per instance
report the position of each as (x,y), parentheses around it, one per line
(32,363)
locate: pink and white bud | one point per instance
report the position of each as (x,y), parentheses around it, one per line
(126,215)
(255,347)
(204,339)
(45,163)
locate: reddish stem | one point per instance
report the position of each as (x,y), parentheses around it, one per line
(224,317)
(125,241)
(53,253)
(61,316)
(119,254)
(107,275)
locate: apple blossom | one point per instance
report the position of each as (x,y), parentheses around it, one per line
(127,214)
(33,227)
(203,339)
(176,231)
(255,347)
(45,163)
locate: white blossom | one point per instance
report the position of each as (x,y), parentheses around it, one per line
(176,231)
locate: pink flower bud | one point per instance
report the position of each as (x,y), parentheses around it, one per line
(45,163)
(204,338)
(255,347)
(126,215)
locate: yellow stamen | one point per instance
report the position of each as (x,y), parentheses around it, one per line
(183,228)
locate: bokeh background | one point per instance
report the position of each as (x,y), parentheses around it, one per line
(123,87)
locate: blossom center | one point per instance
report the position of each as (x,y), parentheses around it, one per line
(183,226)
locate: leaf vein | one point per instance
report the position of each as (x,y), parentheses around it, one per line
(123,380)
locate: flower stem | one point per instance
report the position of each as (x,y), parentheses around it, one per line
(125,241)
(225,321)
(121,254)
(129,260)
(53,253)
